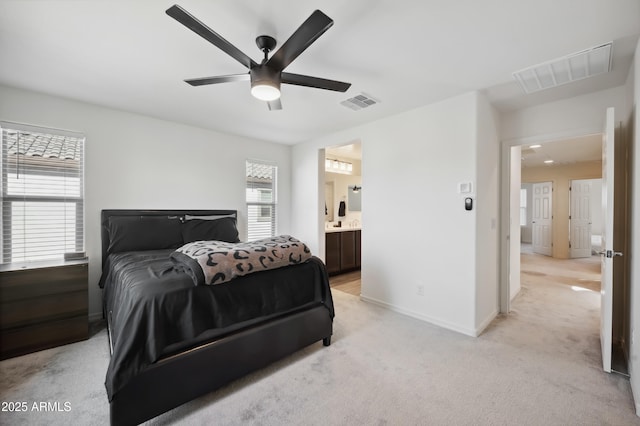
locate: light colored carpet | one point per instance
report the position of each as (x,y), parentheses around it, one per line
(538,366)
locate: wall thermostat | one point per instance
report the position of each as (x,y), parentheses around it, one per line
(468,203)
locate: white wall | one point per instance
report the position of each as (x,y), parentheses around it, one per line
(138,162)
(487,156)
(416,231)
(633,91)
(569,117)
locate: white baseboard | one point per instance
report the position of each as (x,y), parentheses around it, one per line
(635,396)
(513,296)
(484,324)
(431,320)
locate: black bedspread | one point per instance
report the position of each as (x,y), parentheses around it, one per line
(154,309)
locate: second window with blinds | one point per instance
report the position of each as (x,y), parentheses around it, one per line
(261,197)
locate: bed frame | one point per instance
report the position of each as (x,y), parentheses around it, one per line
(179,378)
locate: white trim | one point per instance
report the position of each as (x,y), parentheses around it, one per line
(484,324)
(425,318)
(505,229)
(40,129)
(513,296)
(320,199)
(552,137)
(505,180)
(635,400)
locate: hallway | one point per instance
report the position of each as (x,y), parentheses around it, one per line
(582,272)
(580,276)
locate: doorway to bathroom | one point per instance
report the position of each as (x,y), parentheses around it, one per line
(343,216)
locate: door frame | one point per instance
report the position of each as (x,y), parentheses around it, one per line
(506,239)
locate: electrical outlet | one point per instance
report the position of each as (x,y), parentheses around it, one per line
(420,290)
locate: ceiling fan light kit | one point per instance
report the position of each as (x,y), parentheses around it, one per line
(267,76)
(265,91)
(265,83)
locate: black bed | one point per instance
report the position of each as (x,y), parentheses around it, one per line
(171,340)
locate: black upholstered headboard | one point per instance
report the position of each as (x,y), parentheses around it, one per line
(181,215)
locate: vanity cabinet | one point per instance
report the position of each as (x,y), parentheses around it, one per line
(332,250)
(42,307)
(342,251)
(347,250)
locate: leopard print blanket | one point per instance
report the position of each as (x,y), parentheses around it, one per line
(216,262)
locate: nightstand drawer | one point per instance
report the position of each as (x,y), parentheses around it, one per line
(43,307)
(23,284)
(24,340)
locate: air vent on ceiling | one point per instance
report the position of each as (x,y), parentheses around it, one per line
(577,66)
(360,101)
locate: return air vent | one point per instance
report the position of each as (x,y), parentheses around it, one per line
(577,66)
(359,102)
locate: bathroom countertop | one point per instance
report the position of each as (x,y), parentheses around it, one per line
(341,229)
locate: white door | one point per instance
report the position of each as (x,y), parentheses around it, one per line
(580,219)
(541,218)
(607,253)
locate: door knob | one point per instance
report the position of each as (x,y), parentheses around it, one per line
(610,253)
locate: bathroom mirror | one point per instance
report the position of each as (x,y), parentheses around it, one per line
(354,200)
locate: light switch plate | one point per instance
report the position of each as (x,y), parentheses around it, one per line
(465,188)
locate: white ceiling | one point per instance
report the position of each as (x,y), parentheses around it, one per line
(564,152)
(352,151)
(130,55)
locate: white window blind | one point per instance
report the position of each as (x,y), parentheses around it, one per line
(261,199)
(42,193)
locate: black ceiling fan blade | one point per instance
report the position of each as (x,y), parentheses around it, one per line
(191,22)
(274,105)
(218,79)
(307,33)
(318,83)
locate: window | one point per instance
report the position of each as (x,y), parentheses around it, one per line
(261,199)
(42,193)
(523,207)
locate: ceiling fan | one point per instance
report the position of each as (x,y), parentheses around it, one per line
(267,76)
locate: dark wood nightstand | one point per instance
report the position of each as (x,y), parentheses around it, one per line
(42,306)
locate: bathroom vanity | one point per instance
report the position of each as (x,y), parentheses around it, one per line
(342,249)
